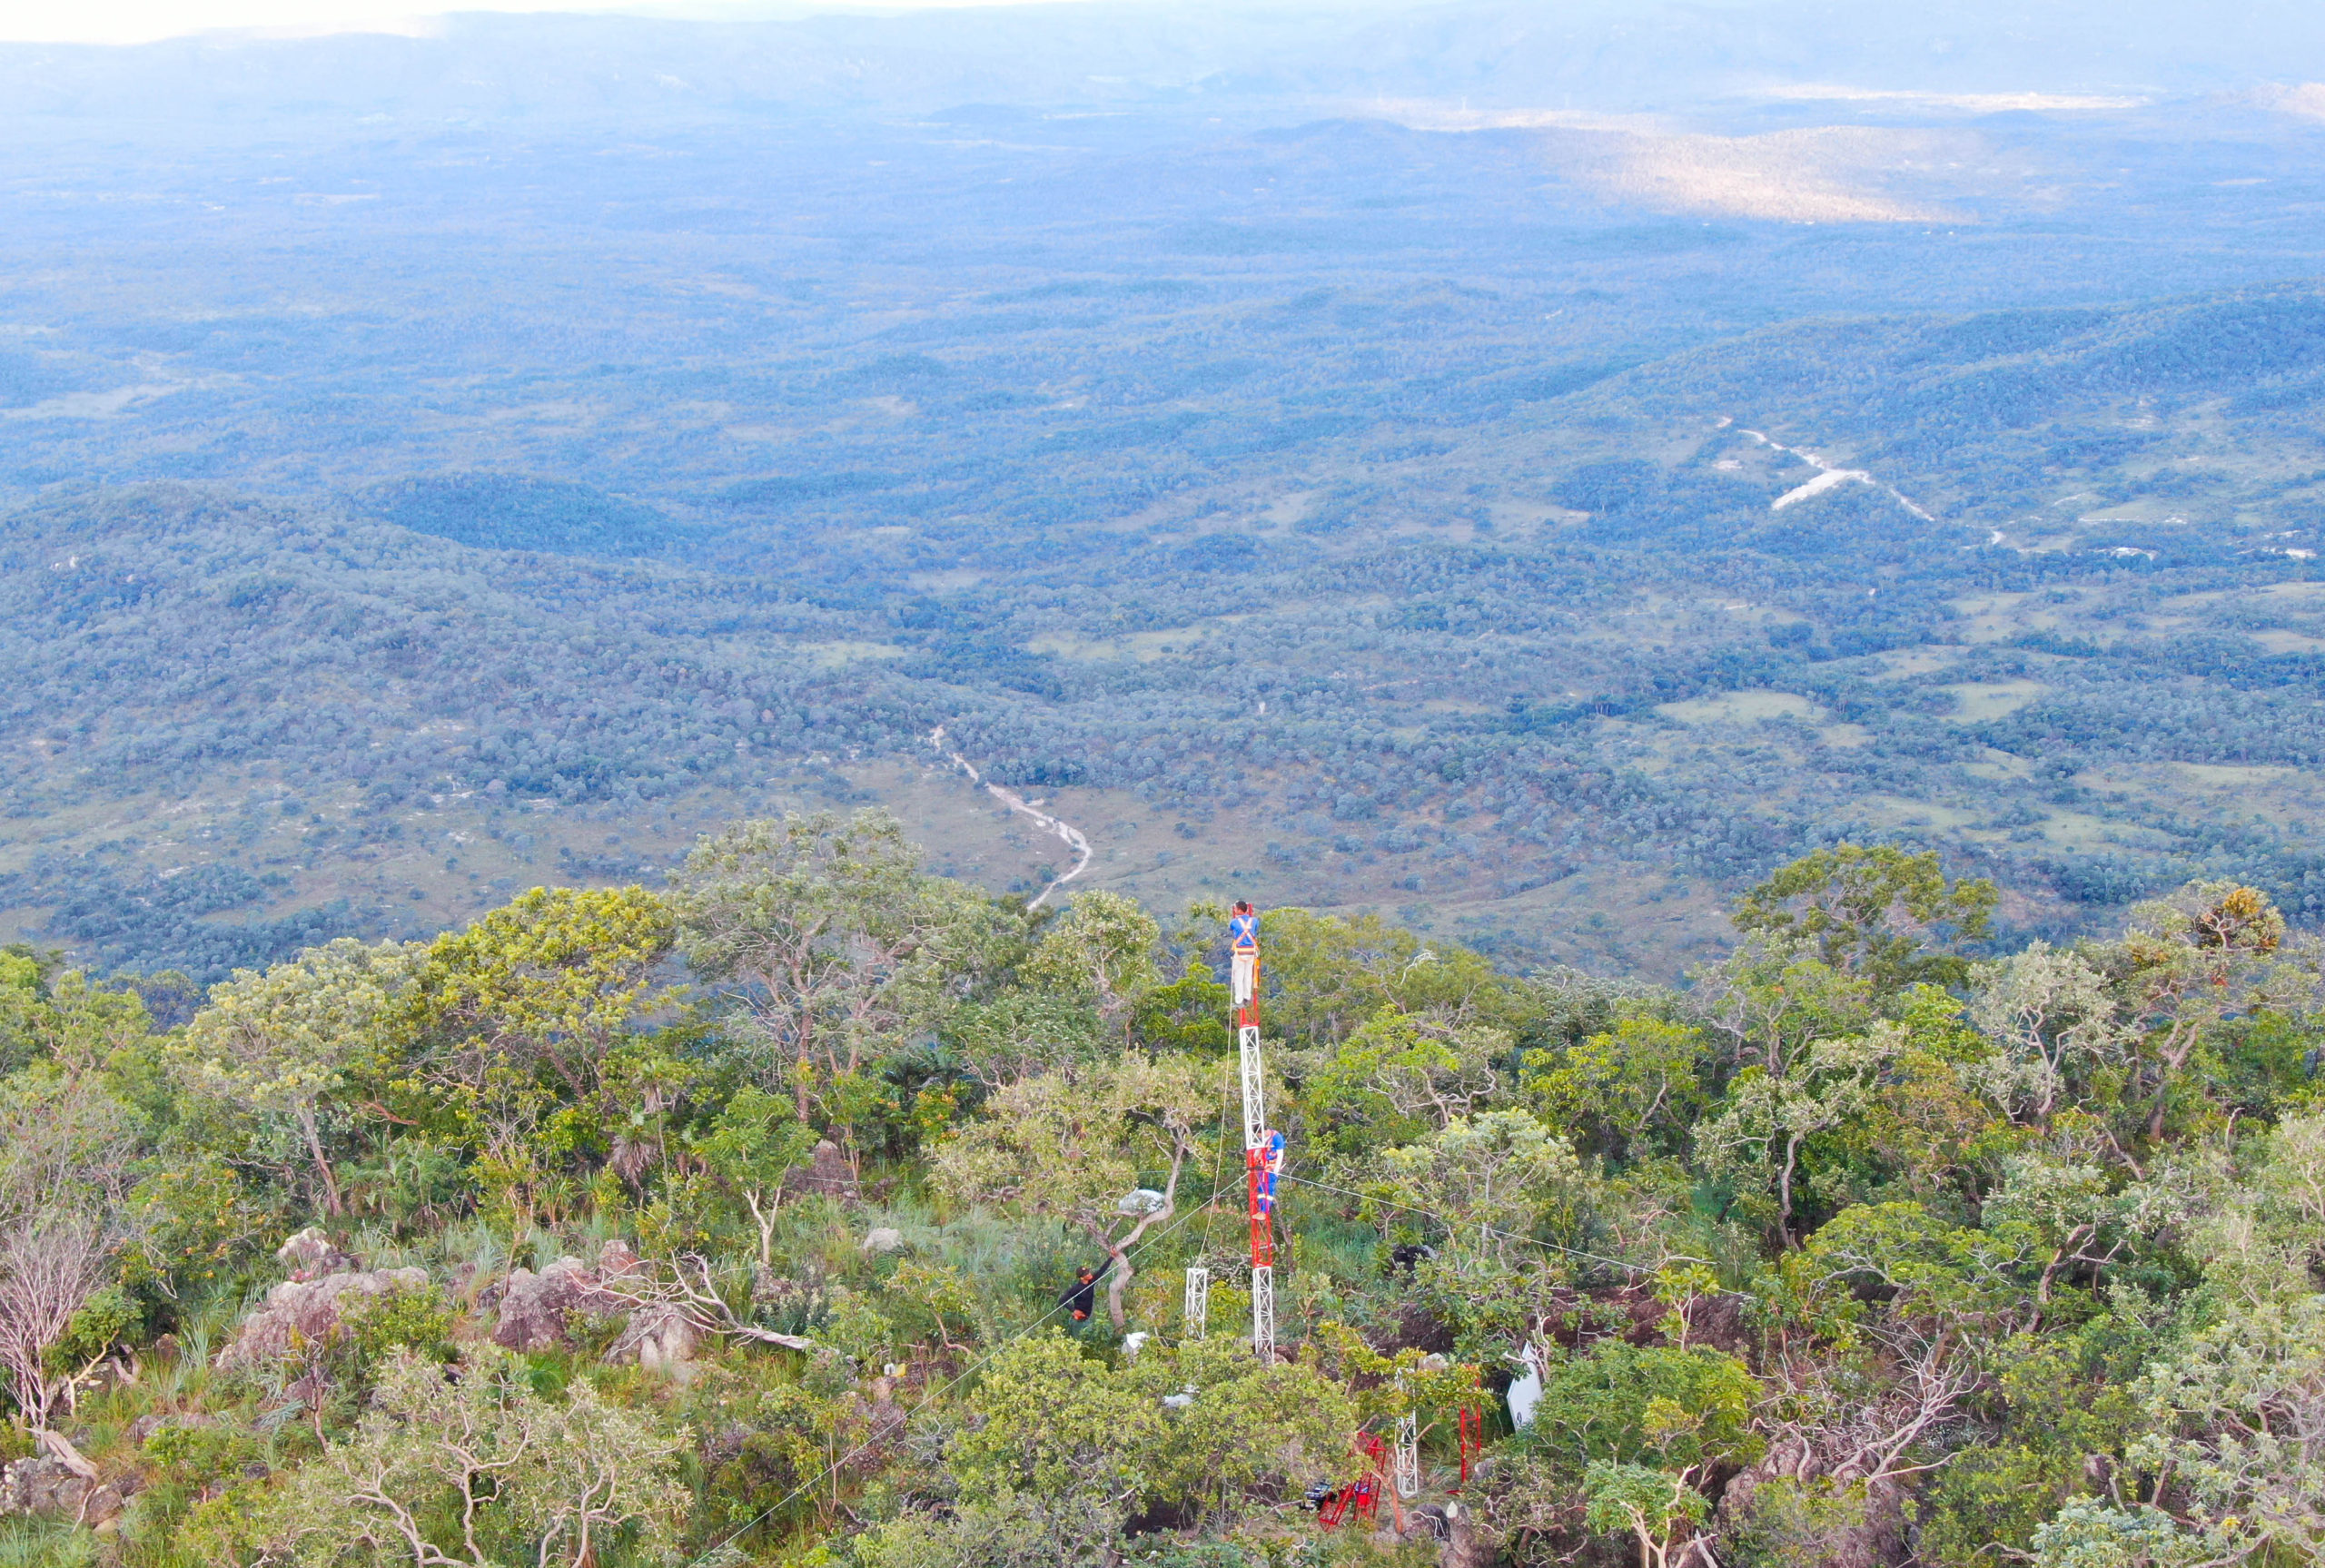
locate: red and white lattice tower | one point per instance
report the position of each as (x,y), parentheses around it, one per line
(1259,1179)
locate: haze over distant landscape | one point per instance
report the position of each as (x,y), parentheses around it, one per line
(1523,470)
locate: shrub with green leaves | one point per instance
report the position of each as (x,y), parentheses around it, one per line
(417,1319)
(466,1467)
(1624,1404)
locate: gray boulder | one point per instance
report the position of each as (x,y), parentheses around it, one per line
(535,1308)
(311,1255)
(300,1312)
(657,1337)
(50,1486)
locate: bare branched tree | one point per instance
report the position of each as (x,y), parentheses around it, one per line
(686,1293)
(50,1263)
(1827,1422)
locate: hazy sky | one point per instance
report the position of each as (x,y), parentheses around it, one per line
(141,21)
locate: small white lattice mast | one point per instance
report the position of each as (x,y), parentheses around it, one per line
(1263,1147)
(1405,1463)
(1198,1303)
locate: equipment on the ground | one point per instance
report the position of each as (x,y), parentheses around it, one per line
(1361,1496)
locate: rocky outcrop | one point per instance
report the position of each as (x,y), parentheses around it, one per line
(303,1312)
(1460,1543)
(62,1485)
(145,1426)
(311,1255)
(657,1336)
(537,1310)
(883,1239)
(828,1172)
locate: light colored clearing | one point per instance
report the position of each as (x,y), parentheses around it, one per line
(1990,617)
(1976,102)
(2306,100)
(1980,700)
(2226,775)
(945,581)
(1895,810)
(1844,735)
(1916,661)
(1144,646)
(831,656)
(1290,509)
(2289,642)
(552,413)
(93,405)
(1430,114)
(1739,708)
(1831,478)
(1764,613)
(2149,512)
(1828,174)
(2073,829)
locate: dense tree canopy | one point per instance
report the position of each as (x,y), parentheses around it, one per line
(1856,1250)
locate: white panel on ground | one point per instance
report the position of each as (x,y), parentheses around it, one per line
(1525,1389)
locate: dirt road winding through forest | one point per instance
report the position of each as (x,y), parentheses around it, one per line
(1072,836)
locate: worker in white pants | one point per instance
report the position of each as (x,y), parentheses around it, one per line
(1243,951)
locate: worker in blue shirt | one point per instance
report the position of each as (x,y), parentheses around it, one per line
(1244,949)
(1270,1167)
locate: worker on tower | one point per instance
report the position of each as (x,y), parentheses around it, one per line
(1243,951)
(1270,1165)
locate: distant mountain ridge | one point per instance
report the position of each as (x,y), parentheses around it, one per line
(1492,56)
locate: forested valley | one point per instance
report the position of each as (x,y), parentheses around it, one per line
(818,1208)
(1560,712)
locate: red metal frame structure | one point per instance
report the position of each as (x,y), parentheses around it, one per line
(1473,1437)
(1363,1495)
